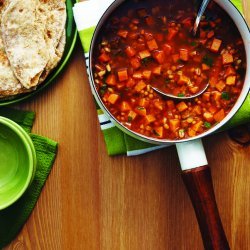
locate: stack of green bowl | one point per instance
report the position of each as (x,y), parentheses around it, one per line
(17,162)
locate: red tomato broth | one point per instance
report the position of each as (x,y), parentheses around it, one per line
(153,46)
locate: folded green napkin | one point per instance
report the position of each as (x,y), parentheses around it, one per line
(118,142)
(13,218)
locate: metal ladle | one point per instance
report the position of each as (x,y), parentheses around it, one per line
(194,31)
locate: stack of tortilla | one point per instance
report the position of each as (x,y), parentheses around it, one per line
(32,41)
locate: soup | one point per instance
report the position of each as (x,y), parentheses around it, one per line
(146,44)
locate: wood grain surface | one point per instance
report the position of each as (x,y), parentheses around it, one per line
(93,201)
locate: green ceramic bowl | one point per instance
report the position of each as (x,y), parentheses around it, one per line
(17,162)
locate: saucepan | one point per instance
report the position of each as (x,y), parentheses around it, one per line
(195,171)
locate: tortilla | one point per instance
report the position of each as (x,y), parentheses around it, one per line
(55,11)
(9,84)
(23,29)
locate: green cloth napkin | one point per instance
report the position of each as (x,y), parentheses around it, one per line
(116,141)
(13,218)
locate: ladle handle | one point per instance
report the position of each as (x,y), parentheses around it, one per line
(199,185)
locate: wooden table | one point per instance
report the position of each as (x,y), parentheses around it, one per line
(93,201)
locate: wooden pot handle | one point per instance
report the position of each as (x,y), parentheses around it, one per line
(199,185)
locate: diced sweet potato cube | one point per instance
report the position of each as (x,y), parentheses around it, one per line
(216,95)
(167,49)
(212,109)
(184,55)
(196,127)
(104,57)
(212,81)
(197,110)
(125,106)
(231,80)
(111,80)
(146,74)
(174,124)
(182,106)
(183,80)
(194,89)
(205,67)
(137,75)
(210,34)
(220,85)
(170,104)
(158,105)
(113,98)
(158,131)
(131,115)
(149,118)
(122,75)
(157,70)
(206,96)
(175,58)
(122,33)
(152,45)
(191,132)
(227,58)
(208,116)
(172,32)
(140,86)
(230,71)
(135,62)
(143,102)
(130,51)
(215,46)
(219,116)
(130,82)
(159,56)
(141,111)
(144,54)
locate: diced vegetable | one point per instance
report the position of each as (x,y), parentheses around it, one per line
(104,57)
(130,51)
(150,118)
(131,115)
(167,49)
(122,75)
(174,124)
(182,106)
(158,132)
(227,58)
(111,80)
(135,62)
(159,56)
(208,116)
(219,116)
(171,34)
(141,111)
(140,86)
(231,80)
(183,80)
(215,45)
(184,55)
(157,70)
(220,86)
(125,106)
(146,74)
(113,98)
(144,54)
(122,33)
(152,45)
